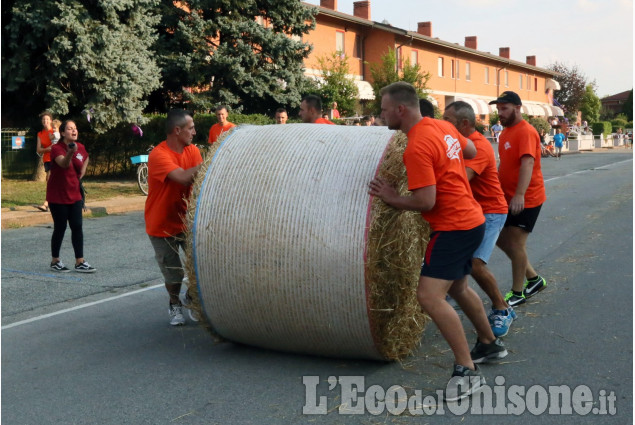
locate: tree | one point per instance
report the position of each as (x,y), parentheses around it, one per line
(572,87)
(336,85)
(90,56)
(591,105)
(243,53)
(627,109)
(386,72)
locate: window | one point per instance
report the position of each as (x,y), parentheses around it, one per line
(339,41)
(458,74)
(486,75)
(535,84)
(399,58)
(506,78)
(414,57)
(357,46)
(520,82)
(440,68)
(452,65)
(468,71)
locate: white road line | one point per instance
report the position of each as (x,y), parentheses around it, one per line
(79,307)
(589,170)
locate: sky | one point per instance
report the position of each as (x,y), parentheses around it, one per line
(594,35)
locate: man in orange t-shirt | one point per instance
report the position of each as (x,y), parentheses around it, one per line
(222,126)
(483,177)
(522,182)
(441,192)
(172,166)
(311,109)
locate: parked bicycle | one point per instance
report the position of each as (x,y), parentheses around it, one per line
(142,170)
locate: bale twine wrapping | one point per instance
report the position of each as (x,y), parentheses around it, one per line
(288,251)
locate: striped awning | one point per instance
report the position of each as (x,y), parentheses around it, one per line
(541,110)
(480,106)
(365,90)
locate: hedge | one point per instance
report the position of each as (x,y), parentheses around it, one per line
(602,127)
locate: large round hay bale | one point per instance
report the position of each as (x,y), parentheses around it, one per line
(289,252)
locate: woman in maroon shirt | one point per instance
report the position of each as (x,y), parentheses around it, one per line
(69,161)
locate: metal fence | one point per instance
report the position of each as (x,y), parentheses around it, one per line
(17,151)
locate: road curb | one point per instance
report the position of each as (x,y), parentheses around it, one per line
(30,216)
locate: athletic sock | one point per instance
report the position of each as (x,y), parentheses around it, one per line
(533,279)
(519,293)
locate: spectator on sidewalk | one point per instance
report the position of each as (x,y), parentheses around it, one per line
(65,199)
(281,116)
(222,126)
(558,141)
(311,110)
(172,166)
(43,148)
(496,130)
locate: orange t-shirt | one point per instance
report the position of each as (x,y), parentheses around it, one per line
(216,130)
(323,121)
(434,157)
(514,143)
(45,142)
(165,206)
(485,185)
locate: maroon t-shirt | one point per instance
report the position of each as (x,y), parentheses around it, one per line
(63,184)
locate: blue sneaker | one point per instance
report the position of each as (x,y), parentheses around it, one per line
(500,321)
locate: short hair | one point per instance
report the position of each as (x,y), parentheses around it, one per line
(313,101)
(463,111)
(281,110)
(402,93)
(427,108)
(221,107)
(46,113)
(176,118)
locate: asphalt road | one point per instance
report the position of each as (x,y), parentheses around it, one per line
(97,349)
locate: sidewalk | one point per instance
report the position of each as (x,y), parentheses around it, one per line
(30,216)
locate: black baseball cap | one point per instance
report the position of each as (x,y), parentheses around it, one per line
(507,97)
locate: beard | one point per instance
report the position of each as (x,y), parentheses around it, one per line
(506,122)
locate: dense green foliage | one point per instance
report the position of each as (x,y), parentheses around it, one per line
(591,105)
(336,85)
(387,72)
(247,54)
(111,60)
(602,127)
(70,56)
(573,85)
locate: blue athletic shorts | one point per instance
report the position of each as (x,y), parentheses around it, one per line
(493,225)
(449,254)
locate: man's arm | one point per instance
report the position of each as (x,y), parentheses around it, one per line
(184,177)
(470,150)
(517,203)
(421,199)
(470,173)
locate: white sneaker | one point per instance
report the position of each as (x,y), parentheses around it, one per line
(176,315)
(187,303)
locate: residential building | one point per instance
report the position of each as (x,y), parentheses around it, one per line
(457,72)
(615,103)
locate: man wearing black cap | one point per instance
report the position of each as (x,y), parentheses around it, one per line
(522,182)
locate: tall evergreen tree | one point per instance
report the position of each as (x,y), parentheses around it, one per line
(244,53)
(72,56)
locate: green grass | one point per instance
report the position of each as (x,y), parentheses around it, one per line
(17,193)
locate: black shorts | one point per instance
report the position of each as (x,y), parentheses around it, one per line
(525,220)
(47,166)
(449,254)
